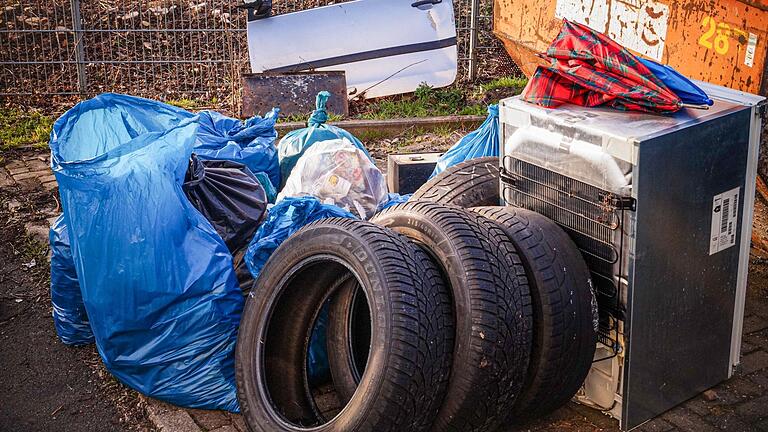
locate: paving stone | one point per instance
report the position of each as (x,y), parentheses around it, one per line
(758,339)
(753,362)
(18,171)
(655,425)
(37,165)
(699,406)
(227,428)
(38,232)
(748,347)
(15,164)
(28,175)
(5,178)
(735,391)
(210,420)
(172,420)
(762,425)
(47,178)
(238,422)
(756,409)
(730,422)
(754,323)
(760,378)
(50,185)
(686,420)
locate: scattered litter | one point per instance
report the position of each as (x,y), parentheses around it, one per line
(30,264)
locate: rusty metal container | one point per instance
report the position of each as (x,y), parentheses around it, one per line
(723,42)
(293,93)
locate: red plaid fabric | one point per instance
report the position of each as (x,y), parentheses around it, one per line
(589,69)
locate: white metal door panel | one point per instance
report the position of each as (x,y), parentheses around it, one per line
(385,46)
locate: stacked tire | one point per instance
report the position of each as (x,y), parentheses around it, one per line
(440,318)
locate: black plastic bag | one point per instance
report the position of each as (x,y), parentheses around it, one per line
(230,196)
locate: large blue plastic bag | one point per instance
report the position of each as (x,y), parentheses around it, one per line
(482,142)
(251,143)
(157,281)
(295,143)
(69,315)
(285,218)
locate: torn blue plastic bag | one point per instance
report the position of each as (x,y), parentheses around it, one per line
(157,281)
(69,316)
(251,143)
(295,143)
(482,142)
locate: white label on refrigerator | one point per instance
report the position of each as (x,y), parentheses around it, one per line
(640,25)
(725,210)
(749,59)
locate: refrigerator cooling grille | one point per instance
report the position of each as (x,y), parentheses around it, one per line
(586,213)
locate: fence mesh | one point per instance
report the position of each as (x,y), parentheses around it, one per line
(165,49)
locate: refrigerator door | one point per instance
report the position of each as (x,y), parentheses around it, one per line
(385,47)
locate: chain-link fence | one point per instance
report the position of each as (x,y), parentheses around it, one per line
(169,49)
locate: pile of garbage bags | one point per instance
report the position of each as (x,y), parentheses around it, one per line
(168,218)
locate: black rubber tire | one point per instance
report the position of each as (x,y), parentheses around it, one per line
(564,326)
(492,307)
(473,183)
(409,365)
(349,327)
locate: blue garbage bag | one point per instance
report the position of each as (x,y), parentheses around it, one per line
(285,218)
(251,143)
(687,91)
(482,142)
(394,199)
(157,281)
(69,316)
(295,143)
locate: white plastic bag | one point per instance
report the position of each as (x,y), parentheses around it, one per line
(337,172)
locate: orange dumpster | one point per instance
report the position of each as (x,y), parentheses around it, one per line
(722,42)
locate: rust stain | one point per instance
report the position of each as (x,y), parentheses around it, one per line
(529,26)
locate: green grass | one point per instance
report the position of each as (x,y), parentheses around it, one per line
(194,104)
(20,128)
(425,102)
(303,118)
(503,83)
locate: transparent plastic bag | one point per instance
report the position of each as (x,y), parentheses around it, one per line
(338,173)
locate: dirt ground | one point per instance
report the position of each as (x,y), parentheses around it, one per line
(45,385)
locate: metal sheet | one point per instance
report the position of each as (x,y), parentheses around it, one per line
(293,93)
(723,42)
(681,300)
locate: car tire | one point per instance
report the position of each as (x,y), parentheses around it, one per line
(473,183)
(407,373)
(492,307)
(564,320)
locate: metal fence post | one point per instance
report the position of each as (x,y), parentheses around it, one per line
(77,26)
(474,14)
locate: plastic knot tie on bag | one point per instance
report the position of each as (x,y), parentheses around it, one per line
(320,115)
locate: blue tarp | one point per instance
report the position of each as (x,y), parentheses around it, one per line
(480,143)
(156,280)
(295,143)
(69,315)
